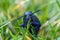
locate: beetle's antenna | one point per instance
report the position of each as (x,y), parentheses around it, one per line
(18,18)
(21,17)
(36,11)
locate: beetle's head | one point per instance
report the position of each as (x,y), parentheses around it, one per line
(28,14)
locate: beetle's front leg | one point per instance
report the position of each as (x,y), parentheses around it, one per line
(23,25)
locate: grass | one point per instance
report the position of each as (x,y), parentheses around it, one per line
(49,17)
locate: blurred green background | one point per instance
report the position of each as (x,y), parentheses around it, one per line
(49,17)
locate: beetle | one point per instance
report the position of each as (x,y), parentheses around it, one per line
(34,22)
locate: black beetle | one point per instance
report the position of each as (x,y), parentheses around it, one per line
(34,21)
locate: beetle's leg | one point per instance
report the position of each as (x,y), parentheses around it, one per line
(22,25)
(36,28)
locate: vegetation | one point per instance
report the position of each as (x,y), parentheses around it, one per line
(49,17)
